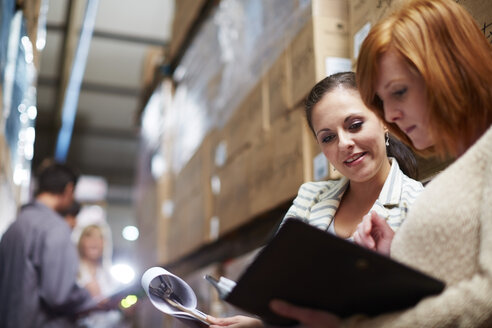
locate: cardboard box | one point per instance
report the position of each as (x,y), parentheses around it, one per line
(186,12)
(277,164)
(192,205)
(482,12)
(269,173)
(321,48)
(278,81)
(164,212)
(187,226)
(363,14)
(248,122)
(336,9)
(146,215)
(282,162)
(232,199)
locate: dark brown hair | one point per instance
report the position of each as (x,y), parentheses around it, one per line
(53,177)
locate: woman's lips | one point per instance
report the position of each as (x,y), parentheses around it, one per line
(354,159)
(409,129)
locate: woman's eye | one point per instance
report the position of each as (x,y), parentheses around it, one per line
(327,139)
(355,126)
(400,92)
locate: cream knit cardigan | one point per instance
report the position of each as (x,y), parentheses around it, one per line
(448,234)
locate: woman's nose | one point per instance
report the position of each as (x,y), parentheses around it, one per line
(392,114)
(345,140)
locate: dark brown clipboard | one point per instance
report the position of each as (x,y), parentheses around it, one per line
(313,268)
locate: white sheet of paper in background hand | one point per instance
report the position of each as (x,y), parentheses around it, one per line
(179,286)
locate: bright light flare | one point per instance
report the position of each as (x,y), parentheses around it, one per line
(123,273)
(129,301)
(130,233)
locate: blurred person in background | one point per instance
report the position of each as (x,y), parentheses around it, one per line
(94,275)
(39,262)
(70,214)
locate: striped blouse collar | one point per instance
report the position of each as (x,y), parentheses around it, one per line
(390,193)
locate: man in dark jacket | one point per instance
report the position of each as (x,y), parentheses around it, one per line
(39,262)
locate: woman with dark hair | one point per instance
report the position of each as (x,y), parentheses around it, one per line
(356,142)
(359,146)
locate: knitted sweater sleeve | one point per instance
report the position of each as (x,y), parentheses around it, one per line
(467,299)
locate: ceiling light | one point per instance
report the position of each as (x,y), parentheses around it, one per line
(130,233)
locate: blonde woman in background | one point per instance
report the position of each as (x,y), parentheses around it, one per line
(94,275)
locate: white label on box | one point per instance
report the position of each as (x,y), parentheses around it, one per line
(320,167)
(214,228)
(359,38)
(167,208)
(221,154)
(215,184)
(337,64)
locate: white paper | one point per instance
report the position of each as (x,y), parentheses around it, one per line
(359,38)
(180,288)
(337,64)
(320,167)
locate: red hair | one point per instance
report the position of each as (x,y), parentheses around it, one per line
(440,41)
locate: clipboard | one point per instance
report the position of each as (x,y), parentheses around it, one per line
(313,268)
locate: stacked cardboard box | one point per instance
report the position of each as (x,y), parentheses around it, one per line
(365,13)
(192,202)
(321,48)
(270,148)
(265,151)
(185,13)
(482,12)
(164,212)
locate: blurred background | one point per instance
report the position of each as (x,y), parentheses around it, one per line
(183,117)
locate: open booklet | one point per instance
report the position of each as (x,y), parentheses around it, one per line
(310,267)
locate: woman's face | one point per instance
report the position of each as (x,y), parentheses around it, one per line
(404,99)
(350,135)
(92,244)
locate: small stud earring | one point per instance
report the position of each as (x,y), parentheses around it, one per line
(387,139)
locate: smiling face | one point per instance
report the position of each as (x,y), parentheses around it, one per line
(403,94)
(91,244)
(350,136)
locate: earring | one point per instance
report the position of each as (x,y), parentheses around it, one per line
(387,139)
